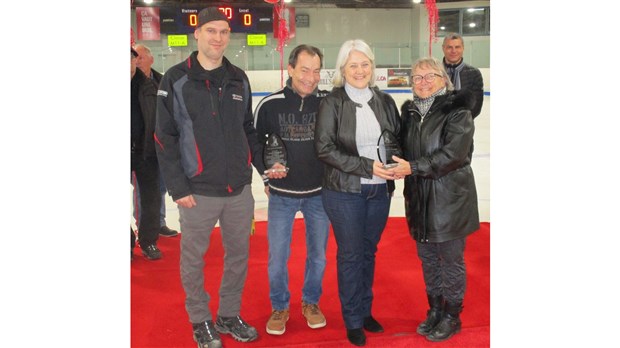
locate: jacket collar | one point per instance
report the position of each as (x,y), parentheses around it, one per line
(451,100)
(197,72)
(289,85)
(459,99)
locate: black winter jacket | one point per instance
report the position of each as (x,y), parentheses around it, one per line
(293,118)
(441,202)
(144,100)
(471,79)
(205,133)
(334,138)
(157,76)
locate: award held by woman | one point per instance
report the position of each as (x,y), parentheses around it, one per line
(392,148)
(274,152)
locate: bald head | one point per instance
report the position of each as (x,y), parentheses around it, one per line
(145,59)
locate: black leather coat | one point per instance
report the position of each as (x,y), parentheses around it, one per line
(334,138)
(441,202)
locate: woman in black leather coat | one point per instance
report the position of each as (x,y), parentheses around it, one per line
(356,188)
(441,203)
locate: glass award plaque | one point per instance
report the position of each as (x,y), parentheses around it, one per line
(274,152)
(392,148)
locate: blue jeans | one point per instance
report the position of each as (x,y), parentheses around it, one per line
(280,217)
(358,220)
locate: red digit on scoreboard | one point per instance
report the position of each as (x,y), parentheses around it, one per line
(227,11)
(193,20)
(247,19)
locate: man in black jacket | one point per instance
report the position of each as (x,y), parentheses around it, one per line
(144,159)
(145,63)
(206,142)
(290,113)
(463,76)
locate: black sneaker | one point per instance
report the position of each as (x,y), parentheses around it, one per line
(206,336)
(164,231)
(237,328)
(151,252)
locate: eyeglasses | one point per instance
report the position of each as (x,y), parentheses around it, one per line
(417,79)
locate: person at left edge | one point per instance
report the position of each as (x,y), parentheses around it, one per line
(299,189)
(206,142)
(145,62)
(144,159)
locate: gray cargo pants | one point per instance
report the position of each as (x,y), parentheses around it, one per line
(235,216)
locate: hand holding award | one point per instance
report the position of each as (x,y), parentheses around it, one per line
(274,152)
(392,148)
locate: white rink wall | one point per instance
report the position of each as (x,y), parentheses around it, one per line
(263,82)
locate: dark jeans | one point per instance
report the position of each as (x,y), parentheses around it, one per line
(147,176)
(358,220)
(443,265)
(137,208)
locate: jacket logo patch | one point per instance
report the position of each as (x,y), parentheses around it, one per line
(162,93)
(237,97)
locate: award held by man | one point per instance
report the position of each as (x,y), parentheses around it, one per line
(274,152)
(392,148)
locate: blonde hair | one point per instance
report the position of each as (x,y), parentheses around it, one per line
(343,55)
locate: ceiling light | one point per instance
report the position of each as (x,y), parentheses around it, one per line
(417,1)
(148,2)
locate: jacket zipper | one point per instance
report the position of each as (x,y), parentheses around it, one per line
(213,113)
(419,126)
(219,98)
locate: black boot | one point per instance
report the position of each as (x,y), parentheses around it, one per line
(433,315)
(449,323)
(356,337)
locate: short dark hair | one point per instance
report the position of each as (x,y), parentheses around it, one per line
(311,50)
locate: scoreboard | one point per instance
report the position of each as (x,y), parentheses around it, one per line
(183,20)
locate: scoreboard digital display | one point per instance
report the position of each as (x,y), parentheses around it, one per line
(183,20)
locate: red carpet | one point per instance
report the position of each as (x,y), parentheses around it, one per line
(158,317)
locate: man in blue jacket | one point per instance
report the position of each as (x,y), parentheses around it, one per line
(206,142)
